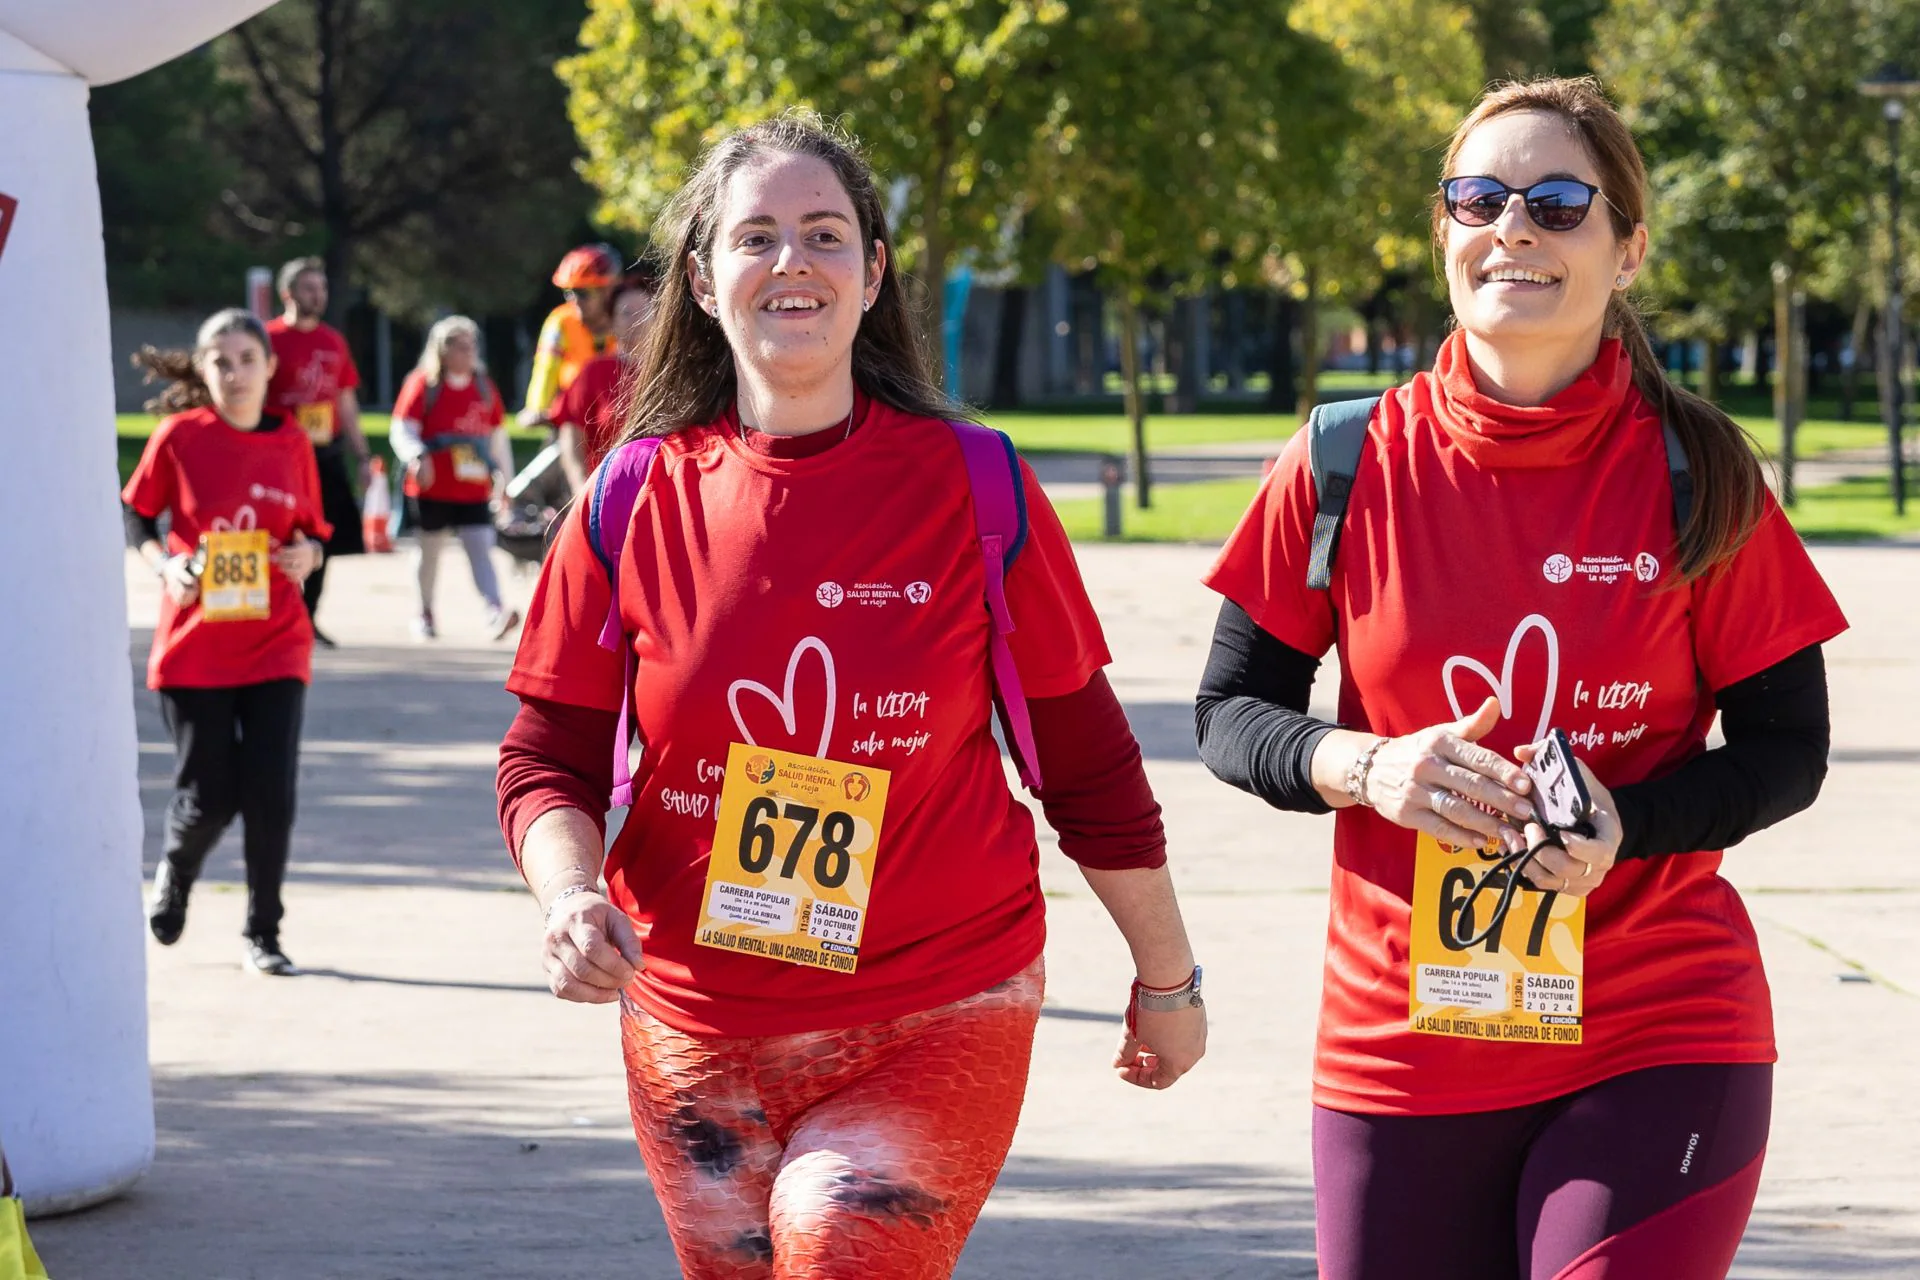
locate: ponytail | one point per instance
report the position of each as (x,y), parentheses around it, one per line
(185,388)
(180,369)
(1729,489)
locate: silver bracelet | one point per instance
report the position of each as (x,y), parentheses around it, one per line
(1360,771)
(566,893)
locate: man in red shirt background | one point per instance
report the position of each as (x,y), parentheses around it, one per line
(314,383)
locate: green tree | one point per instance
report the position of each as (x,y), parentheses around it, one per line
(161,186)
(421,145)
(1751,116)
(1417,68)
(1203,178)
(946,95)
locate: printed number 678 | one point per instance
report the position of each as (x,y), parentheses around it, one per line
(831,861)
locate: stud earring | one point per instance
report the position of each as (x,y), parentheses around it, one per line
(1619,282)
(867,305)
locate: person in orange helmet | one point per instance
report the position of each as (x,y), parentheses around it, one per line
(577,330)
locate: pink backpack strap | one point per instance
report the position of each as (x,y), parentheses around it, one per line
(1000,519)
(615,486)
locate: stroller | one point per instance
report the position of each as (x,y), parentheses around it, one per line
(536,498)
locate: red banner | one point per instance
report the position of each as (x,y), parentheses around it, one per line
(7,205)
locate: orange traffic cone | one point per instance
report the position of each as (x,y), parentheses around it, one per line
(376,510)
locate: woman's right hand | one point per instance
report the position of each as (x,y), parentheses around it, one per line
(590,949)
(178,581)
(423,471)
(1424,781)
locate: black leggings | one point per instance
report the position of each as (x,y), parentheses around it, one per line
(1650,1174)
(236,753)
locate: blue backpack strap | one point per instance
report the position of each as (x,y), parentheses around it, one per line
(999,498)
(1336,437)
(615,488)
(1681,473)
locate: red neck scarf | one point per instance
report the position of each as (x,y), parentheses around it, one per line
(1564,430)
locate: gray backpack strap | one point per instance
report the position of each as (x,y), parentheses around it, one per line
(1682,476)
(1336,437)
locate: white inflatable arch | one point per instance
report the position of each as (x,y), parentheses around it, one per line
(76,1101)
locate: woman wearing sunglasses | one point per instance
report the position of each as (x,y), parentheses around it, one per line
(1587,1091)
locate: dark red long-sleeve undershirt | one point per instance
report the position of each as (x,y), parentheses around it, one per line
(1096,798)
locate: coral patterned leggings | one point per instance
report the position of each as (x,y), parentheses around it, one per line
(863,1152)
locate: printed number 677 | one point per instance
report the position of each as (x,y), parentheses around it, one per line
(1456,913)
(831,861)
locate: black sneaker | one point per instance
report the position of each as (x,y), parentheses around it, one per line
(167,908)
(324,640)
(264,956)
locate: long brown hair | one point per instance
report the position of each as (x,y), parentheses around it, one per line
(180,369)
(686,368)
(1728,486)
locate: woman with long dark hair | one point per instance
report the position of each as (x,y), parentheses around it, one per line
(822,917)
(233,650)
(1542,1052)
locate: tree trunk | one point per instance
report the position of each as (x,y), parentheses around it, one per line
(1850,372)
(1006,348)
(1710,367)
(1374,322)
(1787,350)
(1309,348)
(336,207)
(1282,390)
(1136,403)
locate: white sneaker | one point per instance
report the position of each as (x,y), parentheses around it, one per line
(423,627)
(502,622)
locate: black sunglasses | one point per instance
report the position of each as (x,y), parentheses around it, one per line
(1557,204)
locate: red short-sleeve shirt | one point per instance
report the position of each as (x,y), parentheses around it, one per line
(1528,554)
(593,402)
(830,605)
(214,476)
(313,368)
(457,431)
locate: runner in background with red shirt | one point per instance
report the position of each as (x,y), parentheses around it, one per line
(314,383)
(1510,564)
(803,597)
(588,413)
(447,433)
(233,649)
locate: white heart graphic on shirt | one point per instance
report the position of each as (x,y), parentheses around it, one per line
(1503,687)
(244,521)
(784,703)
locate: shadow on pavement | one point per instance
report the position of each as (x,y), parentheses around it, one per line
(398,1177)
(396,770)
(1855,1243)
(1249,1223)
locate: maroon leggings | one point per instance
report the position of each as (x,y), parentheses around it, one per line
(1651,1173)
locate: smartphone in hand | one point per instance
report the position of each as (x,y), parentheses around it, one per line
(1560,798)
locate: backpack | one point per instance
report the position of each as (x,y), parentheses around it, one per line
(1337,436)
(1000,522)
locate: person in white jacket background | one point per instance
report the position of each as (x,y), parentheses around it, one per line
(449,434)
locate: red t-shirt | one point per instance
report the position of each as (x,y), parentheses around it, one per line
(213,476)
(458,432)
(595,402)
(314,368)
(1527,552)
(842,595)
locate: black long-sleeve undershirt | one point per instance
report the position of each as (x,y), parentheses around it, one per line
(140,529)
(1254,732)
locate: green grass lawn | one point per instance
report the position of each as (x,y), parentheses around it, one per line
(1855,511)
(134,428)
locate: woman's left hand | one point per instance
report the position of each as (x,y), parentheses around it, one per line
(1577,869)
(298,558)
(1161,1047)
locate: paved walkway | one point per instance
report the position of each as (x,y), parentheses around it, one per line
(419,1107)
